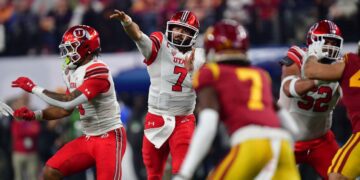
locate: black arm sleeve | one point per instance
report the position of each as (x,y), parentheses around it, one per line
(286,61)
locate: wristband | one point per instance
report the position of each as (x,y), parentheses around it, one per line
(37,90)
(39,115)
(127,22)
(292,88)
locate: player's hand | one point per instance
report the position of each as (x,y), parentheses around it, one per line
(121,16)
(24,114)
(189,61)
(24,83)
(316,49)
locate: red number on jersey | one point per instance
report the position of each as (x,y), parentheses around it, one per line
(81,109)
(320,104)
(183,72)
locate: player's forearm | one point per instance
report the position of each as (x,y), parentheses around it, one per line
(65,101)
(62,97)
(53,113)
(325,72)
(133,30)
(310,68)
(301,87)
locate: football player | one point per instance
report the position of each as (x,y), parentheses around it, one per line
(237,94)
(90,88)
(345,163)
(311,102)
(170,122)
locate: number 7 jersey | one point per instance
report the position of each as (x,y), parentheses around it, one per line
(171,91)
(244,94)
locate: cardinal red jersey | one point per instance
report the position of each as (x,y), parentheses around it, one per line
(244,94)
(350,84)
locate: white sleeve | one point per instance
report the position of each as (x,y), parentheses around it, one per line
(144,45)
(199,58)
(288,123)
(68,105)
(201,141)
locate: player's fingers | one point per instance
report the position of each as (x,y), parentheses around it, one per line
(117,11)
(115,14)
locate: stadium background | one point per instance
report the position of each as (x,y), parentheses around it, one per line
(30,31)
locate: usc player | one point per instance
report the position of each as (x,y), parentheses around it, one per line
(237,94)
(345,163)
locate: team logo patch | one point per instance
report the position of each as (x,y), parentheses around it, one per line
(79,32)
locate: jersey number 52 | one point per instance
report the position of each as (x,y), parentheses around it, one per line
(318,105)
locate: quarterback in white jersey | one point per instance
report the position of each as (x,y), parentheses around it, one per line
(311,102)
(90,88)
(170,122)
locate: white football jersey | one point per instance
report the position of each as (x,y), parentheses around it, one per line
(102,113)
(171,91)
(313,111)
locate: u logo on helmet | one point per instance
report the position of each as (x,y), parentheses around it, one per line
(79,32)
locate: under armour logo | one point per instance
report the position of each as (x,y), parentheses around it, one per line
(151,123)
(87,91)
(184,120)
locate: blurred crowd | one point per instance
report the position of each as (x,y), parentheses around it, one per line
(30,27)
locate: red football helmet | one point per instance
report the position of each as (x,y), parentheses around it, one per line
(78,42)
(226,40)
(185,19)
(327,30)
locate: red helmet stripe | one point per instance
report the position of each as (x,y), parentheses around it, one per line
(184,16)
(332,27)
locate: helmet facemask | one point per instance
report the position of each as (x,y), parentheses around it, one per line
(188,40)
(69,50)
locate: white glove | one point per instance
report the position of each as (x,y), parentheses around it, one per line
(316,49)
